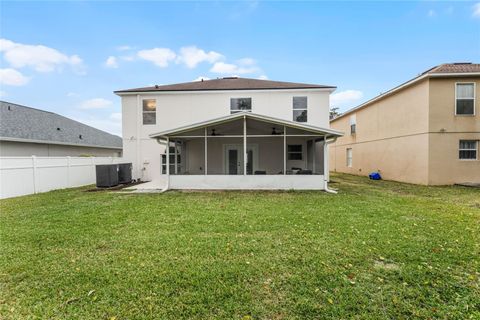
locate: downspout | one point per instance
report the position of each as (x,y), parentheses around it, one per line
(167,186)
(325,163)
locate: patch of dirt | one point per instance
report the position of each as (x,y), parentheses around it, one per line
(119,187)
(379,264)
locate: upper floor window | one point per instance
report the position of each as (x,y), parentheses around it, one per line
(353,124)
(149,111)
(465,98)
(300,109)
(240,104)
(468,150)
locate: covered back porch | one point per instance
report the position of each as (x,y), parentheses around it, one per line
(246,151)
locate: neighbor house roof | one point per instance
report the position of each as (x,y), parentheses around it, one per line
(248,115)
(25,124)
(228,83)
(459,69)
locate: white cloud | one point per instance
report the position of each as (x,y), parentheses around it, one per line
(95,103)
(3,94)
(111,124)
(229,68)
(432,13)
(12,77)
(72,94)
(192,56)
(476,10)
(38,57)
(159,56)
(116,116)
(344,98)
(124,48)
(201,78)
(111,62)
(263,77)
(246,62)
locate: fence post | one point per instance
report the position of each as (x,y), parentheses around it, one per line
(68,172)
(94,174)
(34,172)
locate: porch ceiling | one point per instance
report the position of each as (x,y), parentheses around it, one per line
(248,115)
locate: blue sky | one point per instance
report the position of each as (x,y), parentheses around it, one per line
(68,57)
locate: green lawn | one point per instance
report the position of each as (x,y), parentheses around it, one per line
(377,250)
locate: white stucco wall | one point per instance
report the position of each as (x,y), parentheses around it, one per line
(177,109)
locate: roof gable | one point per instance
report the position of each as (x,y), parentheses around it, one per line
(247,115)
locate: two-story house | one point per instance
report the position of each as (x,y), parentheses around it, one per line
(425,131)
(229,133)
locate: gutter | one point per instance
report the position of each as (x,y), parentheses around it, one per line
(327,142)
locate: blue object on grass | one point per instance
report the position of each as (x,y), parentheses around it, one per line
(375,176)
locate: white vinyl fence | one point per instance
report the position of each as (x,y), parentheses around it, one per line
(27,175)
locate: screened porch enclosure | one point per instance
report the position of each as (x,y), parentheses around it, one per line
(244,146)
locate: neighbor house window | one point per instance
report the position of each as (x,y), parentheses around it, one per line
(294,152)
(149,111)
(353,124)
(240,104)
(349,157)
(300,109)
(468,150)
(465,99)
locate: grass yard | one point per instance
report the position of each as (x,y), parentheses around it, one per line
(377,250)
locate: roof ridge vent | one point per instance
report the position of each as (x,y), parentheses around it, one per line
(456,63)
(230,78)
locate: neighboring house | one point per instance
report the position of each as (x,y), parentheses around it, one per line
(425,131)
(229,133)
(26,131)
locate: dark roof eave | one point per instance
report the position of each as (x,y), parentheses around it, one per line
(140,90)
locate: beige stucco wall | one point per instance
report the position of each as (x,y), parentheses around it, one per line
(25,149)
(391,137)
(411,136)
(447,129)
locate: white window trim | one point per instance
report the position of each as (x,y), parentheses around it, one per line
(349,163)
(303,109)
(476,150)
(474,98)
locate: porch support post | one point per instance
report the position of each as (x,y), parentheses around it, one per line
(284,150)
(326,172)
(314,155)
(168,156)
(206,155)
(245,157)
(176,155)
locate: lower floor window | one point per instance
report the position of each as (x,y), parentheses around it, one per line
(294,152)
(468,149)
(349,157)
(172,161)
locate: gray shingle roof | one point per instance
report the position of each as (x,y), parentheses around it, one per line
(228,83)
(20,122)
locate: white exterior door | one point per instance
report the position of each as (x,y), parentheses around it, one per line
(234,159)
